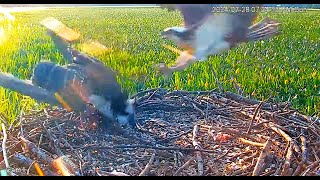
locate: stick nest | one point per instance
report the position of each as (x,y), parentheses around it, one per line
(180,133)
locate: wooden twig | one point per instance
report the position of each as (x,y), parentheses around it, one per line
(146,91)
(237,133)
(62,168)
(185,165)
(38,169)
(4,149)
(53,141)
(173,137)
(254,116)
(310,167)
(298,169)
(244,141)
(196,144)
(36,151)
(287,162)
(260,163)
(147,168)
(304,149)
(25,87)
(146,147)
(285,136)
(238,98)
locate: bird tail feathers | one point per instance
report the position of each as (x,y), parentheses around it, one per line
(264,29)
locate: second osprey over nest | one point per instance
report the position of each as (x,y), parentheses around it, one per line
(208,33)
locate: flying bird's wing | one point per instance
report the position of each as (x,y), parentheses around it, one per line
(192,14)
(61,29)
(238,17)
(215,30)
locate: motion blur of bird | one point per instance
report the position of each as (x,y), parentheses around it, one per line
(84,81)
(207,32)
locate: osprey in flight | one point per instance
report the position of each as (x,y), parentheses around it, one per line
(207,32)
(84,81)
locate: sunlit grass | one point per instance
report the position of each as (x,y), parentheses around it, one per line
(286,67)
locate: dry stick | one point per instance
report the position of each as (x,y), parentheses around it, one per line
(173,137)
(261,159)
(37,151)
(298,169)
(237,133)
(27,162)
(146,170)
(196,144)
(146,147)
(304,155)
(304,149)
(4,150)
(146,91)
(238,98)
(315,154)
(244,141)
(287,162)
(198,109)
(310,167)
(62,167)
(184,166)
(53,140)
(285,136)
(254,116)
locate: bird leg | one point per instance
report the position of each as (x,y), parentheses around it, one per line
(183,61)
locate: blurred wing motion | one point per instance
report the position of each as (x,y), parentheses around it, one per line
(71,36)
(60,29)
(207,33)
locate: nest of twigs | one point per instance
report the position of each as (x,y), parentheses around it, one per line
(180,133)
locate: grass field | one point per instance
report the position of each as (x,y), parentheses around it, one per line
(286,67)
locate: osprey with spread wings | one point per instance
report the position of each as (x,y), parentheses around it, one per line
(208,33)
(85,80)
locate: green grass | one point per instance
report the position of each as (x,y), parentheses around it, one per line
(286,67)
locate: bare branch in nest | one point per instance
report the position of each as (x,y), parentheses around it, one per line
(254,116)
(287,162)
(4,149)
(146,170)
(304,149)
(244,141)
(310,167)
(197,145)
(25,87)
(260,163)
(62,167)
(241,99)
(185,165)
(146,147)
(36,151)
(174,137)
(238,133)
(285,136)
